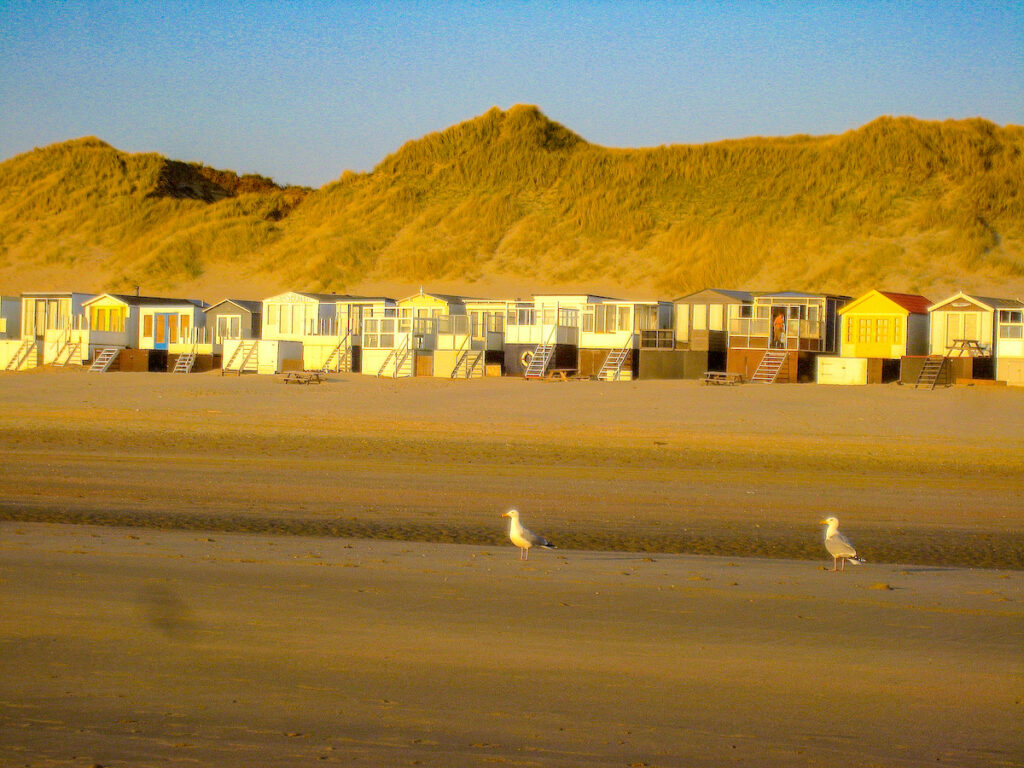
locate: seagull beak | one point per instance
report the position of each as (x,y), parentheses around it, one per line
(823,522)
(506,514)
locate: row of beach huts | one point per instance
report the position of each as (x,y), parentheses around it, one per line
(721,336)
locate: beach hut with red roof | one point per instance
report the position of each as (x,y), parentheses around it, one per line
(877,330)
(884,325)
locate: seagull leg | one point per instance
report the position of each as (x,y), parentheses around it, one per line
(842,567)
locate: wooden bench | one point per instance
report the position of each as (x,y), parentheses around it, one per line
(561,374)
(304,377)
(722,377)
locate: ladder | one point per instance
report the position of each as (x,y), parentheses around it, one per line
(244,356)
(930,371)
(340,358)
(21,355)
(399,356)
(104,360)
(185,362)
(611,369)
(770,366)
(540,361)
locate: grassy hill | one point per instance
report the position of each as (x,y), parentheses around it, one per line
(511,198)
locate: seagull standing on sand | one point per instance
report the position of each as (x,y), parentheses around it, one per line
(840,547)
(523,538)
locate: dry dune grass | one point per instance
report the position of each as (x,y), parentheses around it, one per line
(511,196)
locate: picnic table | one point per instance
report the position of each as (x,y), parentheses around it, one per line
(561,374)
(722,377)
(304,377)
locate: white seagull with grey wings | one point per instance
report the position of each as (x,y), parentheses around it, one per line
(523,538)
(840,547)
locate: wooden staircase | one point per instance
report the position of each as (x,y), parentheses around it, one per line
(540,361)
(770,367)
(469,365)
(611,369)
(244,358)
(104,359)
(185,362)
(66,353)
(401,358)
(340,358)
(932,369)
(21,355)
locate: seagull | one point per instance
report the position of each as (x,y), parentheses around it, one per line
(840,547)
(523,538)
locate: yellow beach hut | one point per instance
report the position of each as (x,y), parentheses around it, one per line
(877,331)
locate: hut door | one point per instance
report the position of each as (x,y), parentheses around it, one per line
(952,328)
(162,331)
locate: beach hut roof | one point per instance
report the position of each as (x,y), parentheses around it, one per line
(148,301)
(988,301)
(247,305)
(912,302)
(737,296)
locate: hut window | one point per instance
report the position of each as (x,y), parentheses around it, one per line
(272,314)
(897,331)
(186,323)
(1011,316)
(624,324)
(605,317)
(1011,324)
(147,326)
(700,317)
(683,322)
(715,321)
(881,329)
(863,329)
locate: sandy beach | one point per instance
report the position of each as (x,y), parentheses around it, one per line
(227,571)
(657,466)
(132,647)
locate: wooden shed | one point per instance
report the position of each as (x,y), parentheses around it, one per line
(965,325)
(784,335)
(163,322)
(701,324)
(233,319)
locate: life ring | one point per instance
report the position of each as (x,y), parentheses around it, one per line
(525,358)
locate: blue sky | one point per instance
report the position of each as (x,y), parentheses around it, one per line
(302,91)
